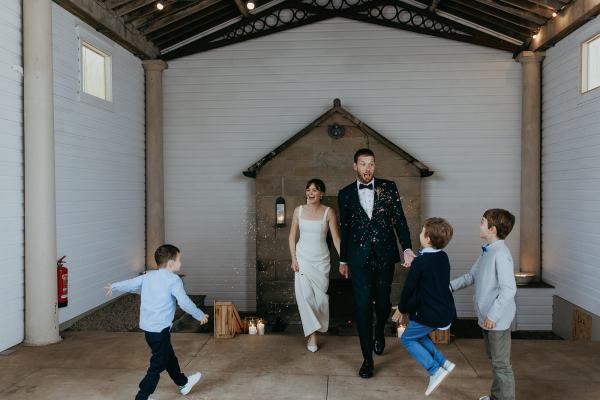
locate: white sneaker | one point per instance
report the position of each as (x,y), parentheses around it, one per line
(192,380)
(435,380)
(485,398)
(449,366)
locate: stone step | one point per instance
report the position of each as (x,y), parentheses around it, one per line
(122,315)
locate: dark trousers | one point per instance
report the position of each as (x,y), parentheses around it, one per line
(371,283)
(163,357)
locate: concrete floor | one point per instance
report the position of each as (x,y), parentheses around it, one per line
(100,365)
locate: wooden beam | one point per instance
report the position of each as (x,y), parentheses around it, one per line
(494,24)
(179,15)
(106,21)
(541,11)
(518,12)
(130,6)
(143,15)
(191,26)
(116,3)
(242,7)
(490,13)
(572,17)
(553,4)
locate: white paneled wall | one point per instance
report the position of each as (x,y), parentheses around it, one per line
(571,175)
(454,106)
(99,168)
(11,176)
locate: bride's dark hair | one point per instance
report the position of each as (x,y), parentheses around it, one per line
(319,184)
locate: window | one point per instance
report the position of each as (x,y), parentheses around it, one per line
(96,72)
(590,64)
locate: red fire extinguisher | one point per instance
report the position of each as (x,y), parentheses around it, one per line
(62,274)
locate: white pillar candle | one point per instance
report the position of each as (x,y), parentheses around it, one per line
(261,328)
(252,330)
(400,330)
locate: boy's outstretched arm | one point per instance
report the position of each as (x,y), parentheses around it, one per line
(506,284)
(465,280)
(186,303)
(129,285)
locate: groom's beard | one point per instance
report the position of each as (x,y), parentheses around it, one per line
(365,178)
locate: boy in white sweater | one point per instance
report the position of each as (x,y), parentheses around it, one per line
(495,290)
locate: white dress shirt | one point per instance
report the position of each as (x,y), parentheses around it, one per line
(366,197)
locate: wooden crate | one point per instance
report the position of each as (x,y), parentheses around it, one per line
(582,325)
(227,320)
(440,337)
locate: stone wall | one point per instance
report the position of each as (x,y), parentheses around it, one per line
(317,155)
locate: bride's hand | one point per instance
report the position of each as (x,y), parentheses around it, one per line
(295,267)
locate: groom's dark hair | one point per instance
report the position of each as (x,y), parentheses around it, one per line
(363,152)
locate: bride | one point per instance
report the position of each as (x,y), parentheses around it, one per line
(310,260)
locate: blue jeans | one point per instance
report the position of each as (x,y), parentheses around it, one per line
(416,340)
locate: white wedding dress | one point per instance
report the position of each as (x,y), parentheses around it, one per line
(312,281)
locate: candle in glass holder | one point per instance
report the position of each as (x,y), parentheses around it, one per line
(252,329)
(261,327)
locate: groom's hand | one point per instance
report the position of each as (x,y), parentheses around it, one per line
(397,317)
(344,270)
(409,256)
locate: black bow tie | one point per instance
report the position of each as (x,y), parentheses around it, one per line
(361,186)
(484,249)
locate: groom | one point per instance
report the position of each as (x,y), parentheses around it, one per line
(370,212)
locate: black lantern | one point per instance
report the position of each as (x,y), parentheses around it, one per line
(280,212)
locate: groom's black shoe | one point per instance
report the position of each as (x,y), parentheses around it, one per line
(366,370)
(379,346)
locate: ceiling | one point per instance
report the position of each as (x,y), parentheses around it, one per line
(185,27)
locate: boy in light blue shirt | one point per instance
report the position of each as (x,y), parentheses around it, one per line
(495,290)
(160,289)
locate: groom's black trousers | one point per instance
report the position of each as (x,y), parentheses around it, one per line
(371,283)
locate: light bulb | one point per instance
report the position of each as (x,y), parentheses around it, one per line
(554,14)
(250,5)
(534,35)
(160,5)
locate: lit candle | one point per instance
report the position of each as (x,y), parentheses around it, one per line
(252,330)
(261,328)
(400,330)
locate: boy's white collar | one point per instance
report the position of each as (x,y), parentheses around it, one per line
(429,250)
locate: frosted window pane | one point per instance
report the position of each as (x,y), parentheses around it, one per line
(593,67)
(94,72)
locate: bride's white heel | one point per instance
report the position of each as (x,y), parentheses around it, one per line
(312,344)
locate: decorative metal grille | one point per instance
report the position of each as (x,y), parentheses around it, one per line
(336,4)
(294,13)
(392,12)
(277,19)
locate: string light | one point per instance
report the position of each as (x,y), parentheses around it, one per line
(250,5)
(160,5)
(554,14)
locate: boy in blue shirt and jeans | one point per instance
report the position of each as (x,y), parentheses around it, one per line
(427,298)
(495,290)
(159,290)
